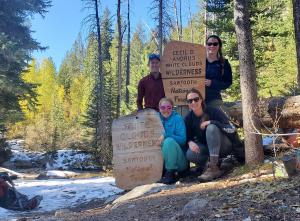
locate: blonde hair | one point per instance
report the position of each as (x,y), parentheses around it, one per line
(165,99)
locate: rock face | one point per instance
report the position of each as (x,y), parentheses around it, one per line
(191,210)
(142,191)
(5,152)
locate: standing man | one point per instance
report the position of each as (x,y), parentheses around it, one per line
(150,88)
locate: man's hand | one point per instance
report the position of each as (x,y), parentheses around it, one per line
(160,140)
(207,82)
(194,147)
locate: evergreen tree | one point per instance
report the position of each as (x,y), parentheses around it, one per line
(17,45)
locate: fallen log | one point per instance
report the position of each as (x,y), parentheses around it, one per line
(282,112)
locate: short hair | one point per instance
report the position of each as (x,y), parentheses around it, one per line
(165,99)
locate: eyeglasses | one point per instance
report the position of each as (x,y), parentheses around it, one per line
(196,99)
(212,43)
(165,107)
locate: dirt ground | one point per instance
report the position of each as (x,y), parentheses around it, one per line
(255,195)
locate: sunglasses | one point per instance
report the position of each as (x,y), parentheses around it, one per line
(196,99)
(212,43)
(165,107)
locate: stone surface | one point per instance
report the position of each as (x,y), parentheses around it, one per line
(137,158)
(194,207)
(182,68)
(142,191)
(24,164)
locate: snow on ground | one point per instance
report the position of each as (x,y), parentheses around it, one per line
(62,159)
(60,173)
(18,153)
(65,159)
(59,194)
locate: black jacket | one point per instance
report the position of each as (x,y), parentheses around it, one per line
(219,81)
(216,117)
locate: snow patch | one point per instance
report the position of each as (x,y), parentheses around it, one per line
(71,159)
(61,159)
(60,194)
(59,173)
(18,153)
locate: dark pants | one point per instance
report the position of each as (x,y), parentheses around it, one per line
(218,144)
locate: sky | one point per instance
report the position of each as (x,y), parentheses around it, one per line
(61,25)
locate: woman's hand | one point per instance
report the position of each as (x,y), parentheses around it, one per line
(160,140)
(207,82)
(194,147)
(204,124)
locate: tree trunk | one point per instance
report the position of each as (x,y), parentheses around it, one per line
(205,21)
(253,142)
(99,91)
(180,18)
(296,9)
(103,138)
(160,27)
(119,58)
(191,23)
(176,17)
(128,54)
(282,112)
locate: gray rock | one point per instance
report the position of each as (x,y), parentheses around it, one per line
(62,213)
(143,191)
(111,199)
(194,207)
(23,164)
(42,176)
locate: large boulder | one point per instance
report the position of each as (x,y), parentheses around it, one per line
(5,152)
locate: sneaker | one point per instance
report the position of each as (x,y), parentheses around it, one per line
(211,173)
(169,178)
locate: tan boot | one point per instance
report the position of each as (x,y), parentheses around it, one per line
(212,172)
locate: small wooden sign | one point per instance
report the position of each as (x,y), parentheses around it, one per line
(182,68)
(136,157)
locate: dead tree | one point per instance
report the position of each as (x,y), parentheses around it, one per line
(128,54)
(160,26)
(119,58)
(253,142)
(176,18)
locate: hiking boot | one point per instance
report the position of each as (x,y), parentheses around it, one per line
(197,171)
(227,164)
(169,178)
(211,173)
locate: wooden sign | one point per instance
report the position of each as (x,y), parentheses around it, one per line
(183,68)
(136,157)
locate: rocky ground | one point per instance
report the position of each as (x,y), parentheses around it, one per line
(242,195)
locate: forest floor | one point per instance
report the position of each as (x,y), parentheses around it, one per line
(245,194)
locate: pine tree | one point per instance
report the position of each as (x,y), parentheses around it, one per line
(17,45)
(253,142)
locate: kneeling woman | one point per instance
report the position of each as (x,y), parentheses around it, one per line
(173,141)
(210,136)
